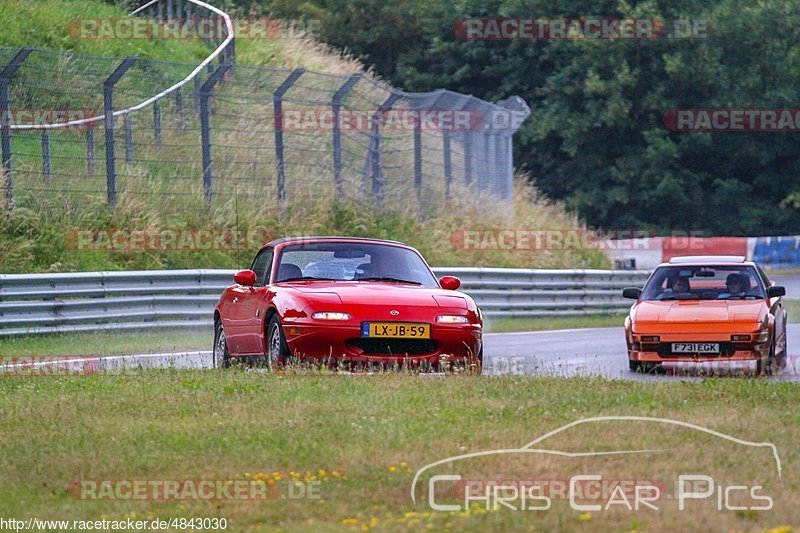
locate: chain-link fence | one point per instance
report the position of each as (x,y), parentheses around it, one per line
(235,132)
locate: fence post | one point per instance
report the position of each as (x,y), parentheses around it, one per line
(5,121)
(170,13)
(418,160)
(90,150)
(46,155)
(336,105)
(448,165)
(373,159)
(468,158)
(128,138)
(157,123)
(108,110)
(179,106)
(205,131)
(277,105)
(197,89)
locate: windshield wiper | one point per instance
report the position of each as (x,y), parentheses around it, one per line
(390,279)
(307,278)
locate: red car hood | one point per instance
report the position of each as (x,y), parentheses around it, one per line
(378,293)
(698,312)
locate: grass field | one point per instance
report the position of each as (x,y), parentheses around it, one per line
(356,442)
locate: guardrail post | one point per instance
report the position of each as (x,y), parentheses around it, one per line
(277,105)
(90,150)
(157,123)
(5,121)
(205,131)
(46,155)
(448,166)
(108,110)
(336,105)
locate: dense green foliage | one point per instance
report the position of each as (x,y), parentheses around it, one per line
(596,137)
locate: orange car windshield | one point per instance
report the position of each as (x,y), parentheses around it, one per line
(713,282)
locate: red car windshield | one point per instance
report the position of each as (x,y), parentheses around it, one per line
(353,261)
(717,282)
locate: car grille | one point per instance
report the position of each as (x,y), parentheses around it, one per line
(397,347)
(664,349)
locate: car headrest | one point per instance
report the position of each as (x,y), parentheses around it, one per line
(288,271)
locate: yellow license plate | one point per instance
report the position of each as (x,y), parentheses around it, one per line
(397,330)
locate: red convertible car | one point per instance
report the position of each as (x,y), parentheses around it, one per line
(345,300)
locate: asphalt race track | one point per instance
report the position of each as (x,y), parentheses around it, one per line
(588,352)
(562,353)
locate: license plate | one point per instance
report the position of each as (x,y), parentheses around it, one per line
(397,330)
(695,347)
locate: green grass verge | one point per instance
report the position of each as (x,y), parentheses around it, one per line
(49,24)
(375,432)
(503,325)
(104,343)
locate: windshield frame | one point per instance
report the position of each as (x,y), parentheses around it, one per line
(433,281)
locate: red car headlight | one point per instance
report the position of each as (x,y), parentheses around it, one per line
(452,319)
(330,315)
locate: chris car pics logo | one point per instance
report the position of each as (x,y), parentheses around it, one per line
(452,485)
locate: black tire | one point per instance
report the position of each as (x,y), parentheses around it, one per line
(767,366)
(633,365)
(220,356)
(277,349)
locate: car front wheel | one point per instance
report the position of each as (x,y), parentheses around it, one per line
(277,350)
(221,355)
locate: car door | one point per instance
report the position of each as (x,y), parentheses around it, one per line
(253,305)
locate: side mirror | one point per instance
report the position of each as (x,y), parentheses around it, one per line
(631,293)
(775,291)
(245,277)
(450,283)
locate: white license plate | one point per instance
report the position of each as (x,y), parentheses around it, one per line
(695,347)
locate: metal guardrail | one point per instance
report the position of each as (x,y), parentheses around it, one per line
(96,301)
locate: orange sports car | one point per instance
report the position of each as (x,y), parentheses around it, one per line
(706,310)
